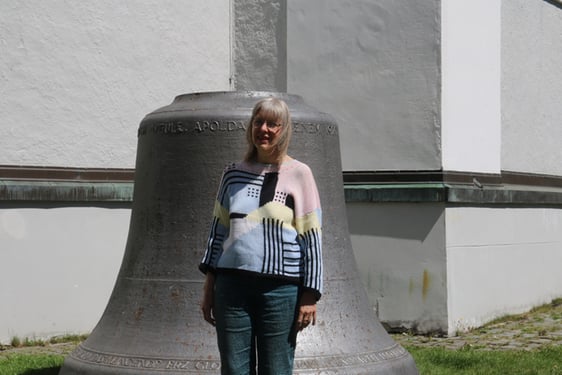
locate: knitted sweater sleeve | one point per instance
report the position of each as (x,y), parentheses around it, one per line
(219,228)
(308,222)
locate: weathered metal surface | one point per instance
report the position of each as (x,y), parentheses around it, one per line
(152,323)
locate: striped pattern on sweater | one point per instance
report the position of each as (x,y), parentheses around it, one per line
(267,220)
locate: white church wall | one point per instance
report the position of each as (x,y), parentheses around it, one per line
(470,91)
(401,257)
(77,77)
(373,66)
(531,80)
(76,80)
(58,268)
(500,261)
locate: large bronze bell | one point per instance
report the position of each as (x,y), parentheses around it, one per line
(152,323)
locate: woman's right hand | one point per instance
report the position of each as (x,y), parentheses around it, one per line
(208,298)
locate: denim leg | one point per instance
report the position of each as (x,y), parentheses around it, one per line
(255,312)
(274,328)
(234,327)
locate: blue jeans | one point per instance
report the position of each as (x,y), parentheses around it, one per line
(255,316)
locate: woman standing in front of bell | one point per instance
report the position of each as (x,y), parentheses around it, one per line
(263,261)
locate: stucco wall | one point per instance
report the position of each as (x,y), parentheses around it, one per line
(77,77)
(470,96)
(260,45)
(58,268)
(373,65)
(531,86)
(431,268)
(501,261)
(401,256)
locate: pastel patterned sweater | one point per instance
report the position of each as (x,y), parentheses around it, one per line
(267,220)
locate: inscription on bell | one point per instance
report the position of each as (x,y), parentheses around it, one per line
(213,126)
(180,127)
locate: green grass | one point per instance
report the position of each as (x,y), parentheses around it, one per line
(31,364)
(34,364)
(430,361)
(18,343)
(438,361)
(470,360)
(68,338)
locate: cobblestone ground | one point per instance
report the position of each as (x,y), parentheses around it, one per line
(533,330)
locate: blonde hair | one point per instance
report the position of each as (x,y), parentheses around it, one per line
(271,109)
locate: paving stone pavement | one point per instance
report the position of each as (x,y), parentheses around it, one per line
(533,330)
(536,329)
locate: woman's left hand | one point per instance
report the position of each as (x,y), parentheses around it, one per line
(307,310)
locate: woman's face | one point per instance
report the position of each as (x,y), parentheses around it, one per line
(264,136)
